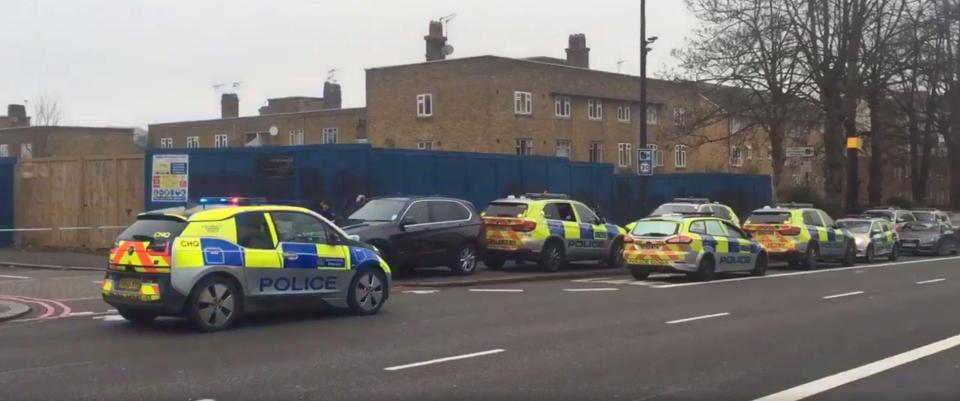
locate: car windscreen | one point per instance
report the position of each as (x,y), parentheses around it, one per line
(504,209)
(655,228)
(673,208)
(855,226)
(379,210)
(925,216)
(920,226)
(154,230)
(880,214)
(768,218)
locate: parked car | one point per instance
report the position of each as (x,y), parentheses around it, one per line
(801,235)
(895,215)
(874,237)
(697,205)
(928,237)
(420,231)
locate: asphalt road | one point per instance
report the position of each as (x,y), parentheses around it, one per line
(789,335)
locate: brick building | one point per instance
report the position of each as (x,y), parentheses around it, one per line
(285,121)
(16,117)
(56,141)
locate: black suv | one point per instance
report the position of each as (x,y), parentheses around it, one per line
(422,231)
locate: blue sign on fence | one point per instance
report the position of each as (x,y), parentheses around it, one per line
(645,162)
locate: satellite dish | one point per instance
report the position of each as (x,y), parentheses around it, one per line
(447,50)
(274,130)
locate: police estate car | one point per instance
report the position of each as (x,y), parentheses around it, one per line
(801,235)
(214,264)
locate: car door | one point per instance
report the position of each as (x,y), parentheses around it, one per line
(818,233)
(717,237)
(413,243)
(594,235)
(448,219)
(313,257)
(837,237)
(742,250)
(258,242)
(879,238)
(562,222)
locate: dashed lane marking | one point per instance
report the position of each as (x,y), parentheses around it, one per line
(109,318)
(447,359)
(936,280)
(421,292)
(496,290)
(16,277)
(846,294)
(591,289)
(690,319)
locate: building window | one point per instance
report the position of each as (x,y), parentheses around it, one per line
(193,142)
(623,113)
(595,109)
(166,143)
(524,146)
(657,155)
(424,145)
(561,105)
(4,150)
(680,156)
(736,156)
(26,150)
(425,105)
(296,137)
(653,115)
(522,103)
(596,152)
(736,125)
(770,152)
(220,141)
(624,150)
(563,148)
(679,117)
(329,135)
(749,152)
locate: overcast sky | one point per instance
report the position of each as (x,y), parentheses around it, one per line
(136,62)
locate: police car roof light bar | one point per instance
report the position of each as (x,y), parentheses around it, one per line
(795,205)
(233,200)
(692,200)
(545,195)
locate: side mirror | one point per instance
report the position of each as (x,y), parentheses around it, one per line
(353,237)
(406,222)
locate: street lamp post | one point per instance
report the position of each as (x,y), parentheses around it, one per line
(645,42)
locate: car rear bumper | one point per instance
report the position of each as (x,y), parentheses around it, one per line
(161,298)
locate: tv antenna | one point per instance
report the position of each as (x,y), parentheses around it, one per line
(332,75)
(445,20)
(620,64)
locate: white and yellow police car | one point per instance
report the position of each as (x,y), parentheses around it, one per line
(212,264)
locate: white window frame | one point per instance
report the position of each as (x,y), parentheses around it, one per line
(522,103)
(595,146)
(193,142)
(769,152)
(166,143)
(624,153)
(424,145)
(679,117)
(623,113)
(26,150)
(595,109)
(296,137)
(749,152)
(330,135)
(736,156)
(657,154)
(564,147)
(680,156)
(425,105)
(653,115)
(561,106)
(221,141)
(4,150)
(523,146)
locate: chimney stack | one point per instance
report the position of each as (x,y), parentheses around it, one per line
(578,54)
(229,105)
(18,113)
(435,42)
(331,95)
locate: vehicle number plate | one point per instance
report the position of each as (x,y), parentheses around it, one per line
(129,284)
(910,244)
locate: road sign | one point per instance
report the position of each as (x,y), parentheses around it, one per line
(799,151)
(645,162)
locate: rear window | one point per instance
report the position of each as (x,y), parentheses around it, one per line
(655,228)
(880,214)
(925,216)
(505,210)
(769,218)
(673,208)
(856,226)
(153,230)
(921,226)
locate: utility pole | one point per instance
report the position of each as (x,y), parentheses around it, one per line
(642,143)
(854,144)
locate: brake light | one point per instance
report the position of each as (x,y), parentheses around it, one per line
(525,226)
(627,239)
(790,230)
(679,239)
(897,228)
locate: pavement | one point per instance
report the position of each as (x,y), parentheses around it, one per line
(877,332)
(10,310)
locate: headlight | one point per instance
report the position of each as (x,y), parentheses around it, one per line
(860,241)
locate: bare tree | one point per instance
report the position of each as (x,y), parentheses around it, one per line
(47,111)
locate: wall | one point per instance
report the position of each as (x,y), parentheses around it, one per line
(338,173)
(70,141)
(79,202)
(6,199)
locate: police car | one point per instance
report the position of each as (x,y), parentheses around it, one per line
(696,244)
(550,229)
(874,237)
(801,235)
(701,206)
(214,262)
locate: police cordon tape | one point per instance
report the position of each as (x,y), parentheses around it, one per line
(9,230)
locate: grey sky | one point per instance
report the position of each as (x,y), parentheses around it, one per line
(133,62)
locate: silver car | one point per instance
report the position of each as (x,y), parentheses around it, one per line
(874,237)
(928,237)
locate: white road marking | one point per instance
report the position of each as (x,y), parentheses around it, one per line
(846,294)
(830,382)
(88,313)
(421,292)
(67,278)
(936,280)
(109,318)
(98,281)
(64,365)
(590,280)
(590,289)
(447,359)
(78,299)
(690,319)
(15,277)
(496,290)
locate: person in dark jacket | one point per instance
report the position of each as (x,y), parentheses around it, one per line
(326,211)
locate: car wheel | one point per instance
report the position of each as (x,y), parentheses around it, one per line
(706,271)
(760,265)
(894,253)
(639,273)
(368,291)
(493,263)
(215,303)
(870,255)
(849,255)
(942,248)
(812,259)
(137,316)
(465,260)
(615,259)
(552,258)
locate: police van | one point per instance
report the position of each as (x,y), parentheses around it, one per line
(216,261)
